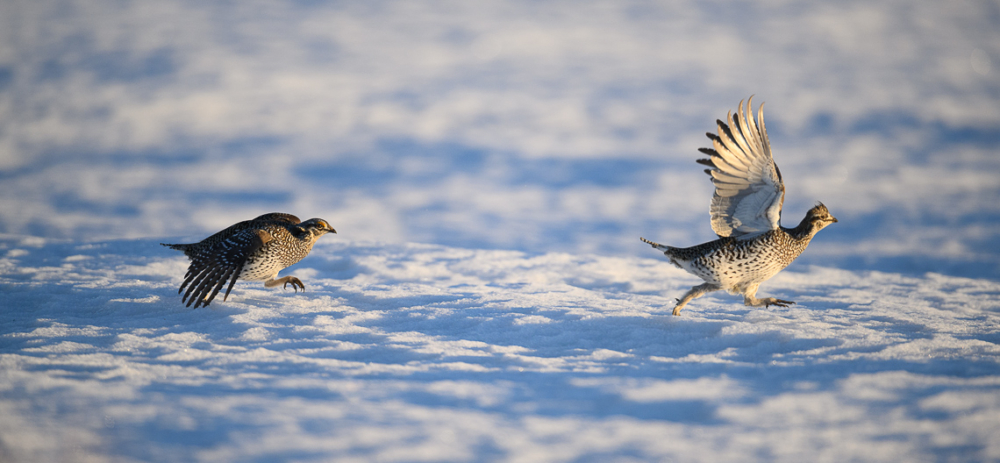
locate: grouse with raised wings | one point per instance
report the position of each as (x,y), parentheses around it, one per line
(254,250)
(746,214)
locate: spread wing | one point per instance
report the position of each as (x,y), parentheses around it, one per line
(214,265)
(748,187)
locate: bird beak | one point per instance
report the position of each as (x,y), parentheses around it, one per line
(834,219)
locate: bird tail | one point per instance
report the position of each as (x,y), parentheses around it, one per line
(185,248)
(658,246)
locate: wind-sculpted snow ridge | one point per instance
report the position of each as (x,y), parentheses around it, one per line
(413,352)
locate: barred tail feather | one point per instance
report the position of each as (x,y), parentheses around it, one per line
(658,246)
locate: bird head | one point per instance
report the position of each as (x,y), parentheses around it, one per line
(313,229)
(819,217)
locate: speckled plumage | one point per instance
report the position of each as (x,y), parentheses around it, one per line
(253,250)
(746,211)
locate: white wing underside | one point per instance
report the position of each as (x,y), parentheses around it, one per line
(748,187)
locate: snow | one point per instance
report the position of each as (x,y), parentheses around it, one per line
(489,167)
(412,352)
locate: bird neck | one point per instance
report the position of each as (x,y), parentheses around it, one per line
(804,231)
(310,239)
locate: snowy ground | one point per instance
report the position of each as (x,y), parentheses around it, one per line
(489,167)
(428,353)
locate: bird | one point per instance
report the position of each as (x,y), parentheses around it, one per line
(252,250)
(746,215)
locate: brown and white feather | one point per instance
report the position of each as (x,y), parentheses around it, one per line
(749,191)
(746,214)
(252,250)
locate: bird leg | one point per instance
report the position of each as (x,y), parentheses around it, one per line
(696,291)
(289,280)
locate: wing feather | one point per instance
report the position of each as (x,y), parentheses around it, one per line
(218,264)
(722,165)
(279,217)
(719,146)
(750,126)
(748,188)
(738,134)
(730,149)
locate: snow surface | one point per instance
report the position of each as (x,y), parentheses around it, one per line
(489,166)
(409,352)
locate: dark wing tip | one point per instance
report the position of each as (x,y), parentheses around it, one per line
(725,129)
(211,269)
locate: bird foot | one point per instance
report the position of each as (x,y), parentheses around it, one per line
(769,301)
(680,305)
(296,284)
(777,302)
(285,281)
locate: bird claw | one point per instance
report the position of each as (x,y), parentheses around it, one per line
(296,284)
(779,303)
